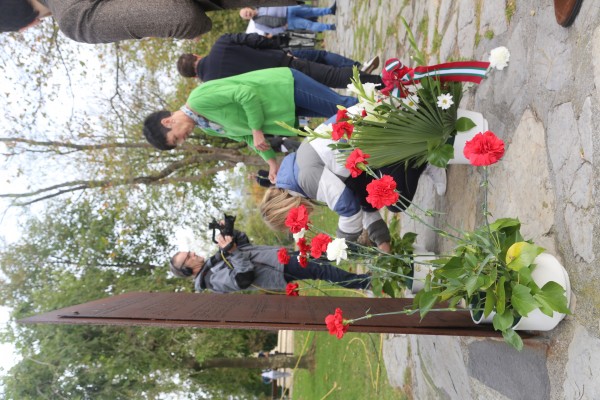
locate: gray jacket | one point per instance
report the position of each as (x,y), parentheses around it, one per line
(107,21)
(249,267)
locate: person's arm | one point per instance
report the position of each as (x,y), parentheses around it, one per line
(241,269)
(273,168)
(254,40)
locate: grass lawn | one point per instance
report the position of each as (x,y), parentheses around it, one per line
(349,368)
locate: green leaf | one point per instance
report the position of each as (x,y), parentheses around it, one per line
(452,269)
(441,155)
(464,124)
(472,284)
(426,301)
(388,288)
(503,321)
(522,301)
(511,337)
(552,296)
(490,302)
(522,254)
(501,296)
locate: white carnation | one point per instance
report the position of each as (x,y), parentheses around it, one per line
(299,235)
(499,58)
(336,250)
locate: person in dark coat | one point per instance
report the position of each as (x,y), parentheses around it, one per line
(235,54)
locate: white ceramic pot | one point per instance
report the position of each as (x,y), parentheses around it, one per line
(481,125)
(547,269)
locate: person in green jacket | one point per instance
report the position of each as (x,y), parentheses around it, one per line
(245,107)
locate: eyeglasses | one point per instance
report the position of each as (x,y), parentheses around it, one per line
(189,254)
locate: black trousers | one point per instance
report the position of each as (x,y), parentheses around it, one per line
(333,77)
(323,270)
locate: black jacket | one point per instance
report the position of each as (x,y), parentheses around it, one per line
(235,54)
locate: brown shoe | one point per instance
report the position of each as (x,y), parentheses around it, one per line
(566,11)
(370,66)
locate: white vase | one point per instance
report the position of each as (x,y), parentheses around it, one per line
(547,269)
(481,125)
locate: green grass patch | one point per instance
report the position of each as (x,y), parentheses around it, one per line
(350,368)
(489,34)
(509,11)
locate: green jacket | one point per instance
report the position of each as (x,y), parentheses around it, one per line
(255,100)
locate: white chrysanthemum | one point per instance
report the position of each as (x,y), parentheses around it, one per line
(411,102)
(336,250)
(299,235)
(499,58)
(444,101)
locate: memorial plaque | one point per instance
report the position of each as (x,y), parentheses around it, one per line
(254,311)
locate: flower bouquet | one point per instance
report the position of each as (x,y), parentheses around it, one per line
(493,269)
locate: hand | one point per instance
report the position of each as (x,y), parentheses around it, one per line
(260,143)
(225,242)
(273,168)
(385,247)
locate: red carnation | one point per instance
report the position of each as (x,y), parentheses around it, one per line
(297,219)
(282,256)
(319,245)
(335,324)
(356,161)
(382,192)
(363,113)
(484,149)
(303,260)
(303,247)
(341,128)
(292,289)
(342,115)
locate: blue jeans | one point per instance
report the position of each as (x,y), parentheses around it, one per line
(313,99)
(324,271)
(297,18)
(325,57)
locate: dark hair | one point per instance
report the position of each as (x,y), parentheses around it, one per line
(186,65)
(155,132)
(16,14)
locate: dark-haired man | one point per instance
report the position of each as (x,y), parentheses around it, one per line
(234,54)
(244,108)
(244,266)
(106,21)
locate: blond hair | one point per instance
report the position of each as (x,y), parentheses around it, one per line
(277,203)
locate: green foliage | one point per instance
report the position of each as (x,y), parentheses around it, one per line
(491,269)
(489,34)
(392,272)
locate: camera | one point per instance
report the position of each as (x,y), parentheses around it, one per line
(226,228)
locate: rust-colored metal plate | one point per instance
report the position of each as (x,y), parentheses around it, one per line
(259,312)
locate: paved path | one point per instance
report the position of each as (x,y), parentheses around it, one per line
(545,106)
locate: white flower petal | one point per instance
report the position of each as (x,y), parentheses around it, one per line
(336,250)
(499,58)
(299,235)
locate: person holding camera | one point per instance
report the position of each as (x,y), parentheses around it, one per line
(240,265)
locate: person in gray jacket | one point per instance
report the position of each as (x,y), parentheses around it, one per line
(240,265)
(107,21)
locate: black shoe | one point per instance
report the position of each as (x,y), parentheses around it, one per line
(333,8)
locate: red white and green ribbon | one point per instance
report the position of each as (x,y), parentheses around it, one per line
(395,75)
